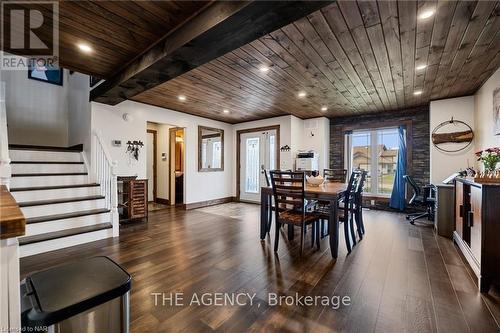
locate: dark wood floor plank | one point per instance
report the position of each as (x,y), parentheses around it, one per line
(398,276)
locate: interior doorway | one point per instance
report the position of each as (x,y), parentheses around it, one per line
(151,155)
(177,168)
(160,160)
(257,150)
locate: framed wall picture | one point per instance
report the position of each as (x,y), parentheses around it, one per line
(44,73)
(496,111)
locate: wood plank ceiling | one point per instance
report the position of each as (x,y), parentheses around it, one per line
(118,31)
(349,57)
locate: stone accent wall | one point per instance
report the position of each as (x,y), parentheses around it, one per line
(419,118)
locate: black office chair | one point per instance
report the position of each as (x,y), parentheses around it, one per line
(425,197)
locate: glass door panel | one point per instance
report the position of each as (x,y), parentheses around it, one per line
(252,169)
(388,146)
(361,154)
(257,153)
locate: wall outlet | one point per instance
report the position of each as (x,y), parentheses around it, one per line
(116,143)
(372,202)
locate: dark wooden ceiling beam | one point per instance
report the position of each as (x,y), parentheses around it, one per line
(220,28)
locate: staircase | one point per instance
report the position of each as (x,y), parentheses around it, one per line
(62,206)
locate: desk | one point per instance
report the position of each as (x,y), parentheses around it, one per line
(329,191)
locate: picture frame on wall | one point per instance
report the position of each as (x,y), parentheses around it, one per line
(44,73)
(496,111)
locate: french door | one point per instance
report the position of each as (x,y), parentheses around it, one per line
(375,151)
(258,152)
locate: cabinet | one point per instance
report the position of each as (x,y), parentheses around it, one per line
(445,210)
(133,198)
(477,228)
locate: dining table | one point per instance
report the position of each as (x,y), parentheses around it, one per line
(329,192)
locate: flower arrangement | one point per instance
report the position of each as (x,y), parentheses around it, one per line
(490,157)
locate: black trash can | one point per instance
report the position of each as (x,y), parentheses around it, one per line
(90,295)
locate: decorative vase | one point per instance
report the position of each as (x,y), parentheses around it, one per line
(489,166)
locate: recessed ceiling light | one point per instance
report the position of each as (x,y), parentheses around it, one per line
(324,108)
(182,98)
(225,111)
(264,69)
(420,67)
(426,14)
(418,92)
(302,94)
(85,48)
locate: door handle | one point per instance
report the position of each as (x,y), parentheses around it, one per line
(262,168)
(471,219)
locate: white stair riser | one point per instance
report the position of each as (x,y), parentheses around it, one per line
(47,168)
(39,155)
(48,180)
(55,244)
(61,193)
(62,208)
(75,222)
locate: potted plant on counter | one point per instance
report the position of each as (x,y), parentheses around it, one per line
(490,157)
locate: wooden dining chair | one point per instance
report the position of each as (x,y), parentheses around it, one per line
(358,203)
(289,197)
(346,208)
(335,175)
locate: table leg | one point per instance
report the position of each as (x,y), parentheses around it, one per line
(333,229)
(264,197)
(290,232)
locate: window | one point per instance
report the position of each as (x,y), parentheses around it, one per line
(375,151)
(252,165)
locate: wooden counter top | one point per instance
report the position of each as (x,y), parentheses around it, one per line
(12,221)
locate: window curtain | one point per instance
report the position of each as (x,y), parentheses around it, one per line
(398,200)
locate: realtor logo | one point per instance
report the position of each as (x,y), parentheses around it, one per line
(30,34)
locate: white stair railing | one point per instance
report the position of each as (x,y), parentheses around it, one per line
(103,173)
(5,168)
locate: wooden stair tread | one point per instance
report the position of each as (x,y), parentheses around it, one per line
(58,201)
(44,162)
(63,233)
(66,215)
(75,149)
(50,174)
(56,187)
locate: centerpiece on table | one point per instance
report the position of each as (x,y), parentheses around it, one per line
(315,181)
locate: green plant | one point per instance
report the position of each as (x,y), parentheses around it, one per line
(490,157)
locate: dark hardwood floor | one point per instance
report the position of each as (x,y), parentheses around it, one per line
(400,278)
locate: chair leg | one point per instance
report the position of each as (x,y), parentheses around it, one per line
(270,217)
(351,227)
(346,236)
(318,234)
(313,233)
(302,232)
(277,236)
(324,228)
(359,222)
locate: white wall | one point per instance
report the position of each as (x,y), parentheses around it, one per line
(444,164)
(79,116)
(294,134)
(285,124)
(316,136)
(483,115)
(37,112)
(198,186)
